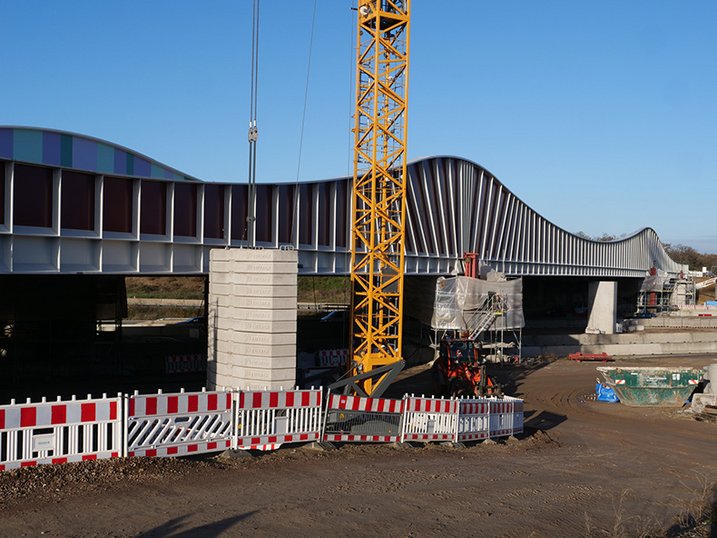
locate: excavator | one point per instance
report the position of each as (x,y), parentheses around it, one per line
(460,370)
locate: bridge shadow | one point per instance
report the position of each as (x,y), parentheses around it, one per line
(509,376)
(209,530)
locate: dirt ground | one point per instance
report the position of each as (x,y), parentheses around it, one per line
(586,469)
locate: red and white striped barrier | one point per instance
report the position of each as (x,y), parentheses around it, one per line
(198,422)
(517,413)
(178,424)
(474,420)
(501,417)
(264,420)
(59,432)
(357,419)
(429,419)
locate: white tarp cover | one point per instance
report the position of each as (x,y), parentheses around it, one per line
(655,282)
(457,297)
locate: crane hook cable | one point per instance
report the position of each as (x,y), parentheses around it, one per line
(250,230)
(295,218)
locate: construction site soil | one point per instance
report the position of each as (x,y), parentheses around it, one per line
(584,468)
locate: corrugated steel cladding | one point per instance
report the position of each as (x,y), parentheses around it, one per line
(155,219)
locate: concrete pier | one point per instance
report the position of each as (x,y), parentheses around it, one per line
(252,318)
(602,307)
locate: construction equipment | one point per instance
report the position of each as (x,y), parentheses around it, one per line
(459,370)
(379,195)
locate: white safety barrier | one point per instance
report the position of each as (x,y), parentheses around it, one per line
(59,432)
(473,420)
(517,413)
(264,420)
(429,419)
(357,419)
(501,417)
(199,422)
(178,424)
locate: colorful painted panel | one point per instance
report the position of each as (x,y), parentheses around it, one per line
(55,148)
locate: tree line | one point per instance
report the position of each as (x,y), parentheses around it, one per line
(680,253)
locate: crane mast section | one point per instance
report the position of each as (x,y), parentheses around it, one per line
(379,187)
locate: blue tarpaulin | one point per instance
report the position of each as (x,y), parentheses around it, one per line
(605,393)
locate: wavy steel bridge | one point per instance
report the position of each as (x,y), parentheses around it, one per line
(75,204)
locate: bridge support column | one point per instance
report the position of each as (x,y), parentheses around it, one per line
(252,318)
(602,307)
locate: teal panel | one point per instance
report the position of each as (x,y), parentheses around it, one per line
(66,150)
(27,146)
(105,158)
(157,171)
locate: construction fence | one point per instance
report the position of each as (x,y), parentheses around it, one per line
(189,423)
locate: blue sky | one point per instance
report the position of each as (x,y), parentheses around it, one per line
(600,115)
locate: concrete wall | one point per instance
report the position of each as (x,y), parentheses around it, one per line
(686,322)
(252,318)
(639,343)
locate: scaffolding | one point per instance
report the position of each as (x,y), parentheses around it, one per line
(664,292)
(488,312)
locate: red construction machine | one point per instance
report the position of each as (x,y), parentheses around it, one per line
(460,370)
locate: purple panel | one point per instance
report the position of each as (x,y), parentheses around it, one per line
(120,162)
(141,168)
(213,211)
(78,201)
(33,196)
(6,143)
(84,154)
(154,208)
(117,204)
(185,209)
(51,148)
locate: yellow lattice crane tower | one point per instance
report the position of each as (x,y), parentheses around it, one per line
(379,193)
